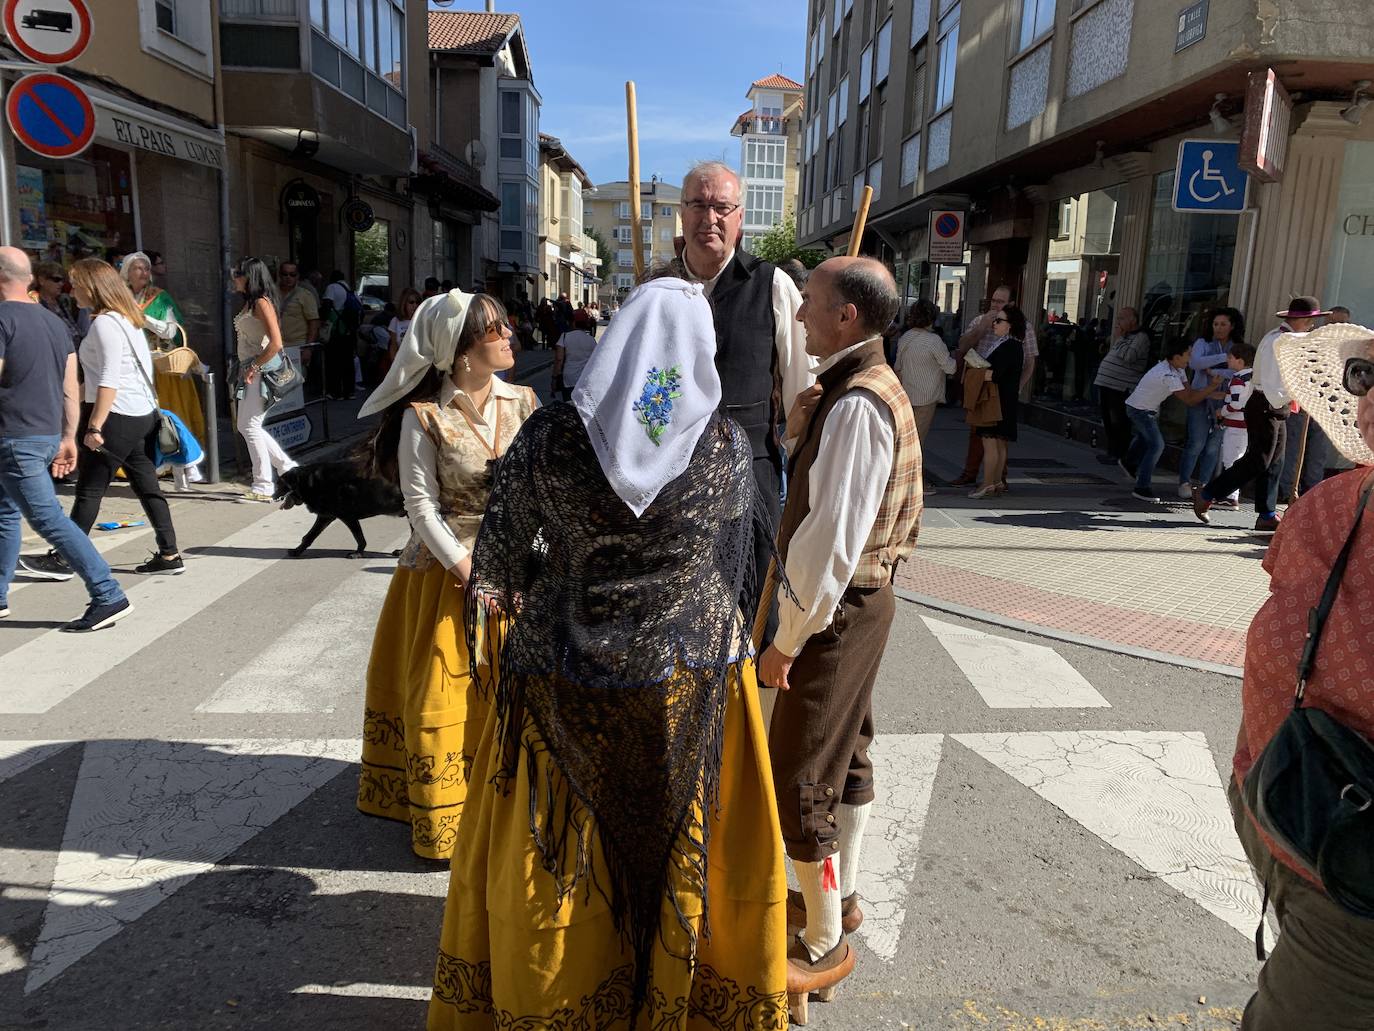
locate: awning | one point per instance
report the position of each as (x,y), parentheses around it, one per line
(125,123)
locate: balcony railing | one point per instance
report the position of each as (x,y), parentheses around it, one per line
(758,126)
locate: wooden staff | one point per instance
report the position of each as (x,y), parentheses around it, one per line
(857,236)
(1302,454)
(770,583)
(636,232)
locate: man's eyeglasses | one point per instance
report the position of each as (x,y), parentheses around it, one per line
(1001,318)
(1359,376)
(700,207)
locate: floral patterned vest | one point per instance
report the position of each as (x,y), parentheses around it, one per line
(464,466)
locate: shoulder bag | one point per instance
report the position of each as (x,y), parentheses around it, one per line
(168,437)
(1312,788)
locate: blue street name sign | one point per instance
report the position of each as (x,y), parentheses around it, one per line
(1208,178)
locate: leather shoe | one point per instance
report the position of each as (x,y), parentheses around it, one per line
(851,916)
(1201,505)
(822,976)
(1267,524)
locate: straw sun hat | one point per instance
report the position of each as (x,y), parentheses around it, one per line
(1312,366)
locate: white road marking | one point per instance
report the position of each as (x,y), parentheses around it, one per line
(1153,795)
(300,670)
(148,817)
(904,767)
(50,669)
(368,990)
(1013,674)
(18,756)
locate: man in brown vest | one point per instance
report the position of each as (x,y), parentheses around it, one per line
(853,508)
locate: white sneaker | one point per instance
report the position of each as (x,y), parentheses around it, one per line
(1185,491)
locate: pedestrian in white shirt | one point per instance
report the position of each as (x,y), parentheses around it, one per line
(1165,380)
(853,507)
(1265,418)
(923,363)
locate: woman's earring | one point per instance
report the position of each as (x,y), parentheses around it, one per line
(467,365)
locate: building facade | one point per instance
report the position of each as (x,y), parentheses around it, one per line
(487,115)
(661,223)
(154,178)
(569,256)
(770,135)
(1056,128)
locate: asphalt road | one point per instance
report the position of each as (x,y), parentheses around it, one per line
(179,846)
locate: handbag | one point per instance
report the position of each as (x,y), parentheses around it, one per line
(282,377)
(168,436)
(1312,787)
(982,400)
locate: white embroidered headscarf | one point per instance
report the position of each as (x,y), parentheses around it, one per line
(430,342)
(649,388)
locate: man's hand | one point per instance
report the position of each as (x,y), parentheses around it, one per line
(802,407)
(774,667)
(65,461)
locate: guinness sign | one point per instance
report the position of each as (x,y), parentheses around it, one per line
(300,200)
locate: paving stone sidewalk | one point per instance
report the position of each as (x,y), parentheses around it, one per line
(1070,550)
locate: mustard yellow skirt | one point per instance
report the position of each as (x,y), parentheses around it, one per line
(179,394)
(423,717)
(510,956)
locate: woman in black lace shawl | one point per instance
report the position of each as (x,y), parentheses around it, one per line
(622,867)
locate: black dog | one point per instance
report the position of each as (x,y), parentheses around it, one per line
(337,490)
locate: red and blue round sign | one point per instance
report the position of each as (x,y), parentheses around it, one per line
(947,225)
(51,115)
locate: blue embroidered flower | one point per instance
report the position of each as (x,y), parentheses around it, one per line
(655,404)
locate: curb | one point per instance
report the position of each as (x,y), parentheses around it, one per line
(1101,644)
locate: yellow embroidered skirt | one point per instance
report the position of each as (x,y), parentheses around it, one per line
(422,717)
(181,395)
(510,956)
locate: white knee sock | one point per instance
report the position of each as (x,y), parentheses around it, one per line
(822,895)
(851,821)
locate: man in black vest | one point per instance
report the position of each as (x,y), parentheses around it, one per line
(760,345)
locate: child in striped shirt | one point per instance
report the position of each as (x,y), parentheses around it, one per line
(1231,415)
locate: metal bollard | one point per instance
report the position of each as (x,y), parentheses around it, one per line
(211,427)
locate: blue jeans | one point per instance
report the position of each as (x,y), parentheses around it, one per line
(1146,446)
(1202,450)
(26,491)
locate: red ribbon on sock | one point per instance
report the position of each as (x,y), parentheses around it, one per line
(828,881)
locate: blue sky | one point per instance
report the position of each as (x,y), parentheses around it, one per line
(691,62)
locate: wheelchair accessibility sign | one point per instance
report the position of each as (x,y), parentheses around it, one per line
(1209,179)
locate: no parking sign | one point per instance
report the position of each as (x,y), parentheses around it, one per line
(51,115)
(945,240)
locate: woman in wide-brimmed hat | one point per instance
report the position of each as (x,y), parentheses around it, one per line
(1318,975)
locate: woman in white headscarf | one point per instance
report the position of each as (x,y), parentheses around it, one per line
(447,419)
(619,864)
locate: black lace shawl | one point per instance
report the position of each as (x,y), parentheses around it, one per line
(610,682)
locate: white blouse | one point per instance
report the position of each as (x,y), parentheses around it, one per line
(108,357)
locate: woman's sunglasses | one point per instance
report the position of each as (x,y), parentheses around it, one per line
(1359,376)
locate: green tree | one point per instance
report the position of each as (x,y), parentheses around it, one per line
(779,244)
(603,250)
(372,251)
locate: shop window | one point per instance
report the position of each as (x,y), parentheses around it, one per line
(75,208)
(1188,260)
(1076,307)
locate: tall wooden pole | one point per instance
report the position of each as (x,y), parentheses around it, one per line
(636,229)
(856,236)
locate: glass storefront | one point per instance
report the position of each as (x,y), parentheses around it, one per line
(1076,310)
(77,208)
(1352,240)
(1188,261)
